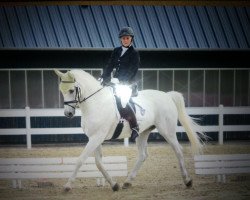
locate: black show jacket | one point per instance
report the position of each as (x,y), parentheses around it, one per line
(126,65)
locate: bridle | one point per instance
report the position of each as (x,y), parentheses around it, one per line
(78,96)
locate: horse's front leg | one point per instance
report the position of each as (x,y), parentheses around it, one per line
(141,142)
(98,160)
(90,148)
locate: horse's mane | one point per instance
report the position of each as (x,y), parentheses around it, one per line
(84,78)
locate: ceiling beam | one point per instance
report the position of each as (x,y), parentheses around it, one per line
(129,2)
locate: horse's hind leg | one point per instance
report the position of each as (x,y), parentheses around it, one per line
(171,138)
(178,151)
(141,142)
(98,160)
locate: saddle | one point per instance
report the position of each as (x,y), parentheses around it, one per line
(126,113)
(130,105)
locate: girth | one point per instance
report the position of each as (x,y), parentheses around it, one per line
(124,111)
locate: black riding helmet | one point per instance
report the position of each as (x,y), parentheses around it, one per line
(126,31)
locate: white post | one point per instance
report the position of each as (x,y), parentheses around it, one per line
(98,182)
(221,115)
(103,181)
(28,135)
(19,184)
(14,183)
(218,178)
(223,178)
(126,142)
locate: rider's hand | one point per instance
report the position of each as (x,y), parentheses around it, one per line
(100,80)
(115,80)
(103,81)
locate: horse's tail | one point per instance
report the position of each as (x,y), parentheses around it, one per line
(193,130)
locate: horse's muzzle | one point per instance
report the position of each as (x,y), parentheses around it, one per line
(69,114)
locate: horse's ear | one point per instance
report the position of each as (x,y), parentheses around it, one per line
(71,75)
(60,74)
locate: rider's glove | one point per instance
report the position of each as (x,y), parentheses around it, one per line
(115,81)
(104,82)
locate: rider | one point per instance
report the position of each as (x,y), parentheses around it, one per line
(125,60)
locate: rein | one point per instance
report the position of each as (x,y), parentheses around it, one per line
(91,95)
(78,95)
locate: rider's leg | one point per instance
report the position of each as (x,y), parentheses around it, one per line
(132,122)
(129,114)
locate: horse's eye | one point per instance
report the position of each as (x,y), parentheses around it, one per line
(71,91)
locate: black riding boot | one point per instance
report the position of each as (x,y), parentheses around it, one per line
(132,123)
(129,114)
(134,134)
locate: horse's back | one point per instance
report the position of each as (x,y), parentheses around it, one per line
(156,95)
(159,106)
(158,100)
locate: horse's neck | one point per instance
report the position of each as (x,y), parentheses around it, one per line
(96,105)
(89,92)
(88,86)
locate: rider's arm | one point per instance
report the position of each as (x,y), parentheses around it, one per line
(109,67)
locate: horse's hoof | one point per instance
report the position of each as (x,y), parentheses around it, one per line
(67,188)
(189,184)
(126,185)
(116,187)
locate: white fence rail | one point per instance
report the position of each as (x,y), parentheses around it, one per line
(28,113)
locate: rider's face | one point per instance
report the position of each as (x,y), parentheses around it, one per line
(126,40)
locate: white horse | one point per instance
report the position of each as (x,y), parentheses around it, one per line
(100,118)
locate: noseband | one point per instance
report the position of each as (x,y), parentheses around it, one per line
(78,96)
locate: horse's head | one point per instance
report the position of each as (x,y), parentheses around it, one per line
(70,92)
